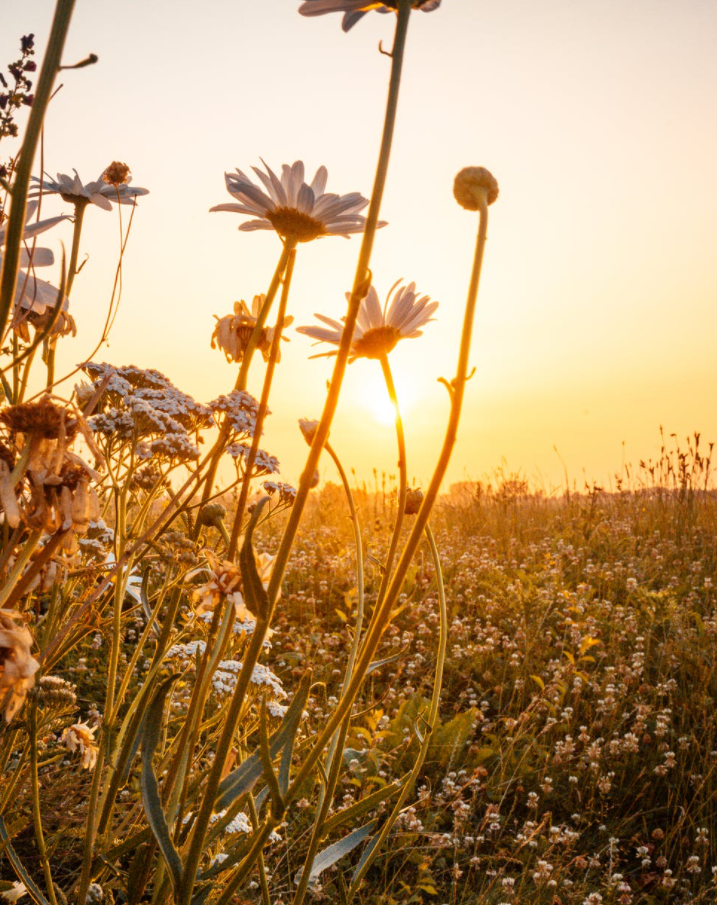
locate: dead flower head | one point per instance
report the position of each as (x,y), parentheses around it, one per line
(233,332)
(225,583)
(17,665)
(81,737)
(117,174)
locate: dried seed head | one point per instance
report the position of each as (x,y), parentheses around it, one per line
(43,418)
(116,174)
(308,429)
(55,693)
(414,498)
(472,184)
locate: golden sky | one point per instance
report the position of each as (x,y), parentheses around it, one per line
(597,314)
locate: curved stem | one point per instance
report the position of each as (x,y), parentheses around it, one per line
(263,403)
(403,486)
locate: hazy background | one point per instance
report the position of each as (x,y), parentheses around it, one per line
(597,315)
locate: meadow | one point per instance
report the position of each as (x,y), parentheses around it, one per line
(217,687)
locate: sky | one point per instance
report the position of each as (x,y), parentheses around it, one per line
(597,313)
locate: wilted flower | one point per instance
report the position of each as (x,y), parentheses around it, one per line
(233,332)
(414,498)
(17,665)
(473,183)
(16,891)
(225,583)
(354,10)
(59,481)
(308,429)
(297,211)
(378,330)
(101,192)
(81,737)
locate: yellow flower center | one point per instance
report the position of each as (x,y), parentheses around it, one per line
(377,342)
(293,224)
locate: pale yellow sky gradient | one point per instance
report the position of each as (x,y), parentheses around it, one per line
(597,316)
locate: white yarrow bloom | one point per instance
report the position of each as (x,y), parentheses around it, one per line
(298,211)
(354,10)
(378,329)
(99,192)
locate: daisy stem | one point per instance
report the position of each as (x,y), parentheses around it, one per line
(264,401)
(80,208)
(362,281)
(383,611)
(431,723)
(333,757)
(401,442)
(26,157)
(225,429)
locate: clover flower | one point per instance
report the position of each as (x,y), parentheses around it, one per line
(81,737)
(101,192)
(378,330)
(354,10)
(233,332)
(17,665)
(297,211)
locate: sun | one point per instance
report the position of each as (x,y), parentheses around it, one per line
(374,399)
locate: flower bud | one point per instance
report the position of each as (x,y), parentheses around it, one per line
(414,498)
(473,184)
(211,513)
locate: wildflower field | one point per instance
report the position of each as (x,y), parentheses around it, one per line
(218,687)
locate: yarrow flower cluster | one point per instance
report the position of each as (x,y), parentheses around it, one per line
(298,211)
(378,330)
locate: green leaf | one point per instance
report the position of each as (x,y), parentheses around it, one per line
(333,853)
(367,803)
(150,788)
(255,596)
(377,664)
(244,778)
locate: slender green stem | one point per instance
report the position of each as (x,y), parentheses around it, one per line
(6,592)
(274,354)
(402,471)
(432,722)
(360,288)
(383,613)
(36,809)
(23,170)
(333,758)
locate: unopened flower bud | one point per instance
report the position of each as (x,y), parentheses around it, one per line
(473,184)
(308,429)
(414,498)
(212,513)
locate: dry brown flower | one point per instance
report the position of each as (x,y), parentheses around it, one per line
(116,173)
(17,665)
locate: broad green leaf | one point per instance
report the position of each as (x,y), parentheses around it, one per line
(333,853)
(255,596)
(150,788)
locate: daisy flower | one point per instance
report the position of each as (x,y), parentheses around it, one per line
(354,10)
(378,330)
(298,211)
(81,737)
(99,192)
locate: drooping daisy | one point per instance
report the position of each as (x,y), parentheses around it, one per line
(354,10)
(81,737)
(298,211)
(379,329)
(233,332)
(100,192)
